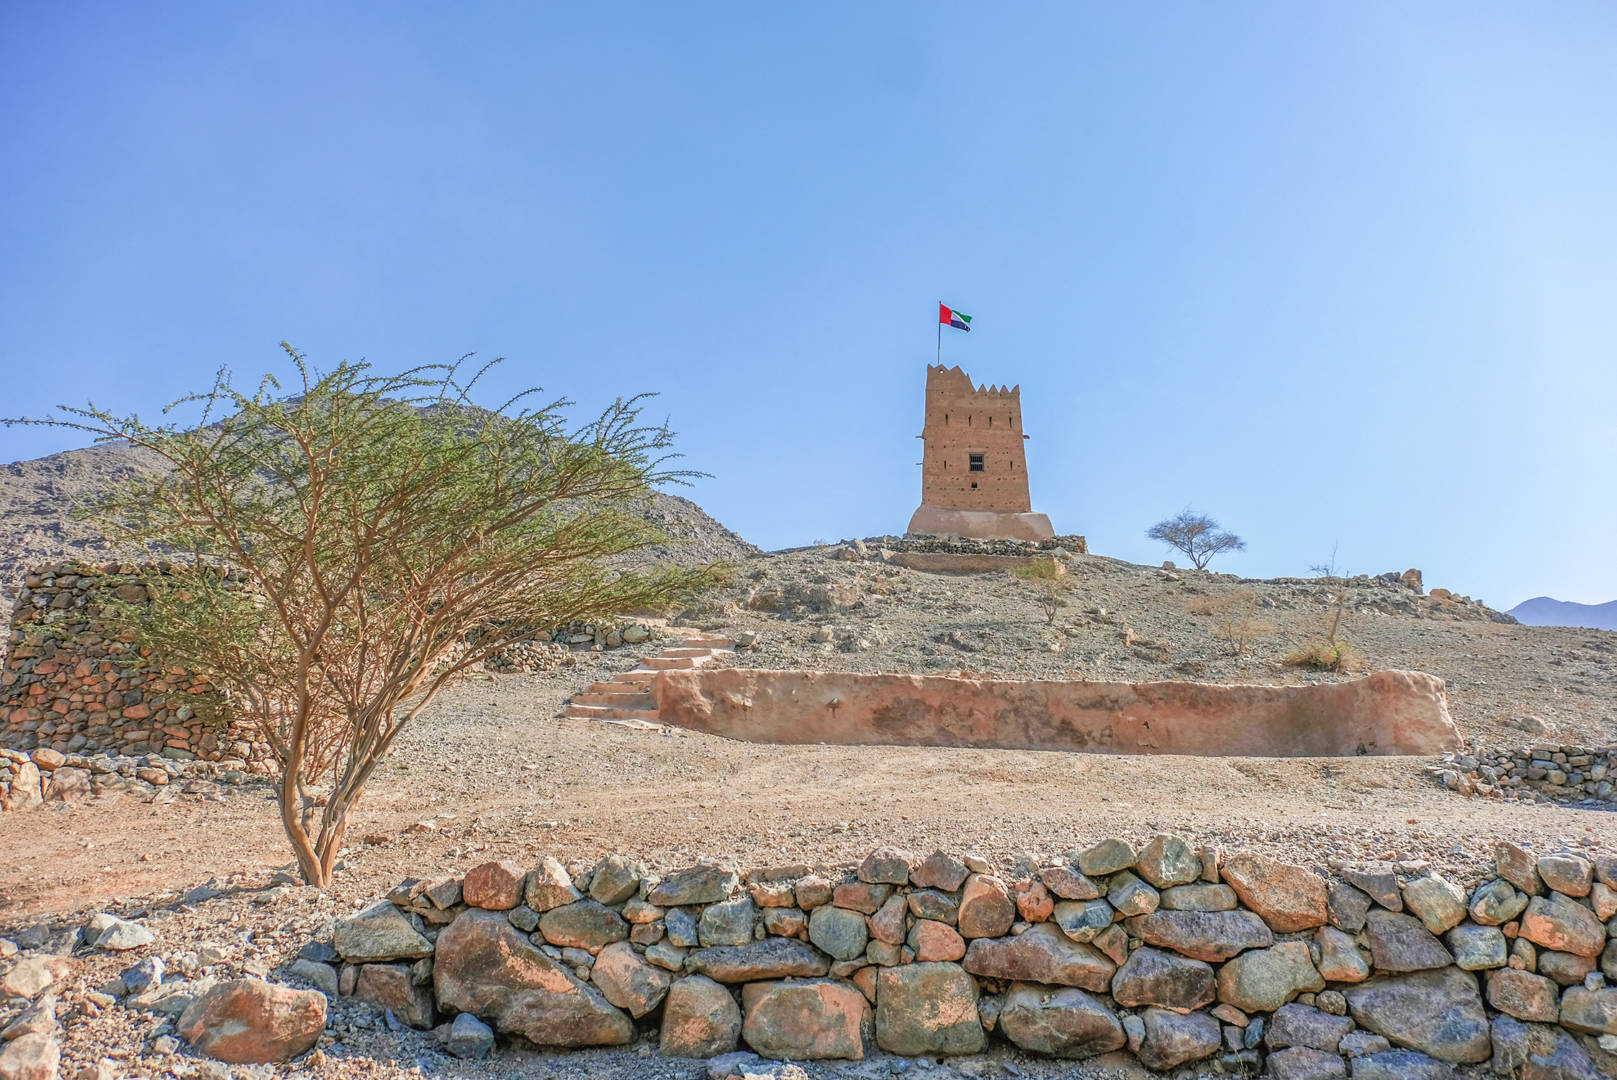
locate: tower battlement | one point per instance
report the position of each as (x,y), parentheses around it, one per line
(973,465)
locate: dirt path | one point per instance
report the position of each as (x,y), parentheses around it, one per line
(518,782)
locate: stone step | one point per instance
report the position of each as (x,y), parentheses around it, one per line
(688,650)
(673,663)
(711,641)
(638,675)
(633,699)
(608,712)
(638,725)
(618,685)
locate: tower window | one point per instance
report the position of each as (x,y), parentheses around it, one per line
(976,464)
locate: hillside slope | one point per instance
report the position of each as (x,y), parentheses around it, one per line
(38,524)
(1548,611)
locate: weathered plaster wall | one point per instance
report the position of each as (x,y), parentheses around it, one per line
(1390,712)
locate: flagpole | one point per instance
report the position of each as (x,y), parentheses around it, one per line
(940,339)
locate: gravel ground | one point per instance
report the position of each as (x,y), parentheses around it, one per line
(491,772)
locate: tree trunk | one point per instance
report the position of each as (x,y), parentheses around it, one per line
(311,867)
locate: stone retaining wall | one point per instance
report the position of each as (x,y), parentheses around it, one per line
(74,685)
(1551,772)
(1164,955)
(1390,712)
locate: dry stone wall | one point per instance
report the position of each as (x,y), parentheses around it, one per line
(72,684)
(1161,956)
(1547,772)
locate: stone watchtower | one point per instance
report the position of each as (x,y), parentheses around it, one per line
(973,468)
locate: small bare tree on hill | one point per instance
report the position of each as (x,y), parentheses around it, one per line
(1197,535)
(384,536)
(1052,583)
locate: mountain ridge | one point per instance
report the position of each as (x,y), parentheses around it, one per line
(1548,611)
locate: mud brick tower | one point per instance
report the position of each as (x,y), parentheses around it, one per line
(973,467)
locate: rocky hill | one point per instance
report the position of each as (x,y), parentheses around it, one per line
(38,524)
(1547,611)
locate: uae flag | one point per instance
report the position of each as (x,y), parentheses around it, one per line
(949,317)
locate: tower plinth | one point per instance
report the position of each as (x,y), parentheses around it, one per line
(973,465)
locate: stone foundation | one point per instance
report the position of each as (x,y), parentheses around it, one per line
(1158,956)
(981,524)
(1390,712)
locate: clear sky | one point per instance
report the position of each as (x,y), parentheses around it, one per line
(1338,274)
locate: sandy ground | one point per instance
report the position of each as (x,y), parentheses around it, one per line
(515,781)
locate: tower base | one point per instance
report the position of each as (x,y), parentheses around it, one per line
(981,524)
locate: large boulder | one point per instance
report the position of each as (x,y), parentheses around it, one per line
(1042,954)
(250,1021)
(927,1009)
(627,981)
(1400,1065)
(1153,977)
(1262,980)
(1083,920)
(986,909)
(808,1020)
(1589,1010)
(1289,898)
(497,886)
(30,1057)
(1305,1063)
(1436,1012)
(1304,1025)
(707,883)
(1167,861)
(486,966)
(727,923)
(1172,1039)
(389,986)
(1339,956)
(109,932)
(1065,1022)
(1401,943)
(550,886)
(583,924)
(838,932)
(25,790)
(1524,995)
(1210,936)
(378,934)
(700,1019)
(1436,902)
(772,958)
(1556,922)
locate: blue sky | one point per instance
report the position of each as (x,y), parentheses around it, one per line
(1337,274)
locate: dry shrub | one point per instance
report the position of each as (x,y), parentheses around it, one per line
(1324,656)
(1239,626)
(1051,584)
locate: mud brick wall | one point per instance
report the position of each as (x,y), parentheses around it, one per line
(1162,956)
(72,684)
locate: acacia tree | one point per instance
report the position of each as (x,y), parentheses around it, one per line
(339,557)
(1197,535)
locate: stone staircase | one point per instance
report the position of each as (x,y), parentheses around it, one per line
(626,699)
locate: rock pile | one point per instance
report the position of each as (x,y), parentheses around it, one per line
(29,781)
(73,685)
(1541,773)
(1167,953)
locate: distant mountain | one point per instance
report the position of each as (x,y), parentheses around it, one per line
(1547,611)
